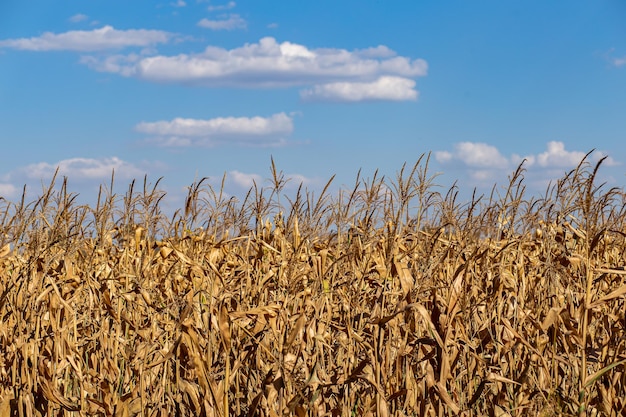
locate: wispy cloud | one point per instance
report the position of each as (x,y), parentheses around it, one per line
(179,3)
(227,6)
(78,18)
(610,57)
(485,162)
(334,74)
(104,38)
(252,131)
(225,22)
(619,62)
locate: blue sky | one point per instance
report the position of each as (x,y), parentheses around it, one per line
(190,89)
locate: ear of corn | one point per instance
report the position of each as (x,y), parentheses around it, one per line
(389,299)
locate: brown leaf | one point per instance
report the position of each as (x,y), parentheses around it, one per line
(224,323)
(6,249)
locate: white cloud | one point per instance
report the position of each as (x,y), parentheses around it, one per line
(179,3)
(293,50)
(227,6)
(86,171)
(78,18)
(8,190)
(385,88)
(226,22)
(557,157)
(296,179)
(484,163)
(258,131)
(245,180)
(104,38)
(81,169)
(376,73)
(474,155)
(443,156)
(112,63)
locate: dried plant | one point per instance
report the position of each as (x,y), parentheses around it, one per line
(390,299)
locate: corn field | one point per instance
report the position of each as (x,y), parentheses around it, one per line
(388,298)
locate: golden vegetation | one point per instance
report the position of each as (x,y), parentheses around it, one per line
(391,299)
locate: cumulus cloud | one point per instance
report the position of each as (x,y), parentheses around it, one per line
(86,171)
(225,22)
(558,157)
(81,168)
(258,131)
(8,190)
(475,155)
(384,88)
(104,38)
(245,180)
(375,73)
(484,161)
(337,74)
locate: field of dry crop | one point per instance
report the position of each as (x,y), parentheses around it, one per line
(389,299)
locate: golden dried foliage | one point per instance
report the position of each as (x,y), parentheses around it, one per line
(389,300)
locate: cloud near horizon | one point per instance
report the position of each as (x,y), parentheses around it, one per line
(246,181)
(83,168)
(252,131)
(484,161)
(78,170)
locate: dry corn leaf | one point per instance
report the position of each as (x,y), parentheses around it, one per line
(498,378)
(442,391)
(270,310)
(614,294)
(224,325)
(431,327)
(5,405)
(500,412)
(406,279)
(455,291)
(6,249)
